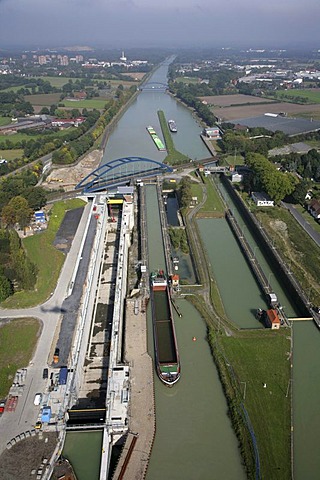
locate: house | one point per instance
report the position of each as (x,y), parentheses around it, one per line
(212,132)
(314,208)
(261,199)
(175,280)
(236,177)
(67,122)
(272,319)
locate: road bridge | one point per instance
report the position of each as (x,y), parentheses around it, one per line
(154,86)
(121,171)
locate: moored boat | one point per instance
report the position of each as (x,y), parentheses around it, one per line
(172,126)
(156,139)
(166,350)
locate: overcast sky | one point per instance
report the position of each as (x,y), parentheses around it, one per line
(126,23)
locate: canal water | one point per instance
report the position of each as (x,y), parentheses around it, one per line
(130,137)
(83,450)
(194,438)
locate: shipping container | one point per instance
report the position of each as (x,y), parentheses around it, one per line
(63,375)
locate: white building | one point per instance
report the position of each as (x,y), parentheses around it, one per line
(261,199)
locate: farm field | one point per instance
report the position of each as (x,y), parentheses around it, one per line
(232,100)
(246,111)
(97,103)
(312,95)
(43,99)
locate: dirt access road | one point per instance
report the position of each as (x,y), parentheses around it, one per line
(67,177)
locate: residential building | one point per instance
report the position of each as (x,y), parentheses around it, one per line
(261,199)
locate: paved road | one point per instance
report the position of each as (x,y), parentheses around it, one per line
(303,222)
(49,314)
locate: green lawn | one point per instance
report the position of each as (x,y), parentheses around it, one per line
(309,218)
(259,358)
(196,189)
(18,339)
(234,159)
(174,157)
(48,259)
(213,205)
(5,121)
(17,137)
(297,248)
(11,154)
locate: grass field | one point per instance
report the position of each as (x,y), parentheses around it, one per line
(258,358)
(18,339)
(11,154)
(174,157)
(17,137)
(312,95)
(308,217)
(234,159)
(48,259)
(297,248)
(5,121)
(213,205)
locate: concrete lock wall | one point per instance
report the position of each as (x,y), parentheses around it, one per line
(270,253)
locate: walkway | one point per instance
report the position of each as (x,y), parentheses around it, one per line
(49,314)
(133,464)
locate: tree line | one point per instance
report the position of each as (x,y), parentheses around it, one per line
(17,272)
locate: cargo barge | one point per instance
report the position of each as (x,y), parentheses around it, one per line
(166,350)
(156,139)
(172,126)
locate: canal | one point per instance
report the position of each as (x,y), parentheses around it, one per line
(193,428)
(194,436)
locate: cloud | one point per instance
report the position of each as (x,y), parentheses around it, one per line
(171,22)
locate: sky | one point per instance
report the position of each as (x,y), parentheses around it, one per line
(160,23)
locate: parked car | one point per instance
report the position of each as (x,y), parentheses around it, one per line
(56,355)
(37,399)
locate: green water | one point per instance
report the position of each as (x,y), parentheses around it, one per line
(194,438)
(83,450)
(240,293)
(306,396)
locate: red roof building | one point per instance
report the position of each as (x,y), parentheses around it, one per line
(272,319)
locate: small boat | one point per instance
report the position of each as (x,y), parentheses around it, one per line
(172,126)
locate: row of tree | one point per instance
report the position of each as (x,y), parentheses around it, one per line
(267,178)
(307,165)
(17,272)
(186,94)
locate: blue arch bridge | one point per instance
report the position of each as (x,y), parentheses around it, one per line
(121,171)
(154,86)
